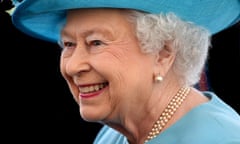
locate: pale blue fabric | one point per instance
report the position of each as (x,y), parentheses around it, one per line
(213,122)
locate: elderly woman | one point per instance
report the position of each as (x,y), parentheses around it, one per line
(132,66)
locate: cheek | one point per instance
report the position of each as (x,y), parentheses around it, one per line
(63,67)
(72,87)
(63,70)
(112,66)
(105,62)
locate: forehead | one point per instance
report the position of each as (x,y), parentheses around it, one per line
(99,20)
(91,12)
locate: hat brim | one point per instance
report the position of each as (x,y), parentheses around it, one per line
(44,19)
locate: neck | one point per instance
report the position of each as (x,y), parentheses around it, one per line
(168,113)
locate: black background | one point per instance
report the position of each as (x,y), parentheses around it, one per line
(37,105)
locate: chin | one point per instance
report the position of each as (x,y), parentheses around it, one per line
(91,116)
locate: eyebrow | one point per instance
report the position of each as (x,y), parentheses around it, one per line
(103,31)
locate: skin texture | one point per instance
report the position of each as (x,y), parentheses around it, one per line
(100,46)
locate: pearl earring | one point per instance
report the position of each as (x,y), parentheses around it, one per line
(158,78)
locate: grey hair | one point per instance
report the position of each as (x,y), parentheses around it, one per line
(189,41)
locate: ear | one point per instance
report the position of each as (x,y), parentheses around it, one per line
(164,59)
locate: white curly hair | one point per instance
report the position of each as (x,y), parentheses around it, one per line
(190,41)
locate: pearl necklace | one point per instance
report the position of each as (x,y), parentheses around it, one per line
(168,112)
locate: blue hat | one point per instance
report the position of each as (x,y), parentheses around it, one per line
(44,19)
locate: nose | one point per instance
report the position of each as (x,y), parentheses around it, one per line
(78,62)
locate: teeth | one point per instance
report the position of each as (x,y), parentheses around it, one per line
(92,88)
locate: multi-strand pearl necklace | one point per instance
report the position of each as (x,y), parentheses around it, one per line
(168,112)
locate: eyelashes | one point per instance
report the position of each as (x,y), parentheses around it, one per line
(89,44)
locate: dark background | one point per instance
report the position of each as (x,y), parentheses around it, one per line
(37,105)
(224,65)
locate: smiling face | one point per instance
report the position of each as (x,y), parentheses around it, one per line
(102,63)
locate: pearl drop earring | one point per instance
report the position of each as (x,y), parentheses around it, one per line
(158,78)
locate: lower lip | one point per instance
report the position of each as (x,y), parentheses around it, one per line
(93,94)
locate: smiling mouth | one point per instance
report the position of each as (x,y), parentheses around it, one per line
(92,88)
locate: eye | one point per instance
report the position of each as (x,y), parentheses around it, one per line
(69,45)
(66,44)
(96,46)
(96,43)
